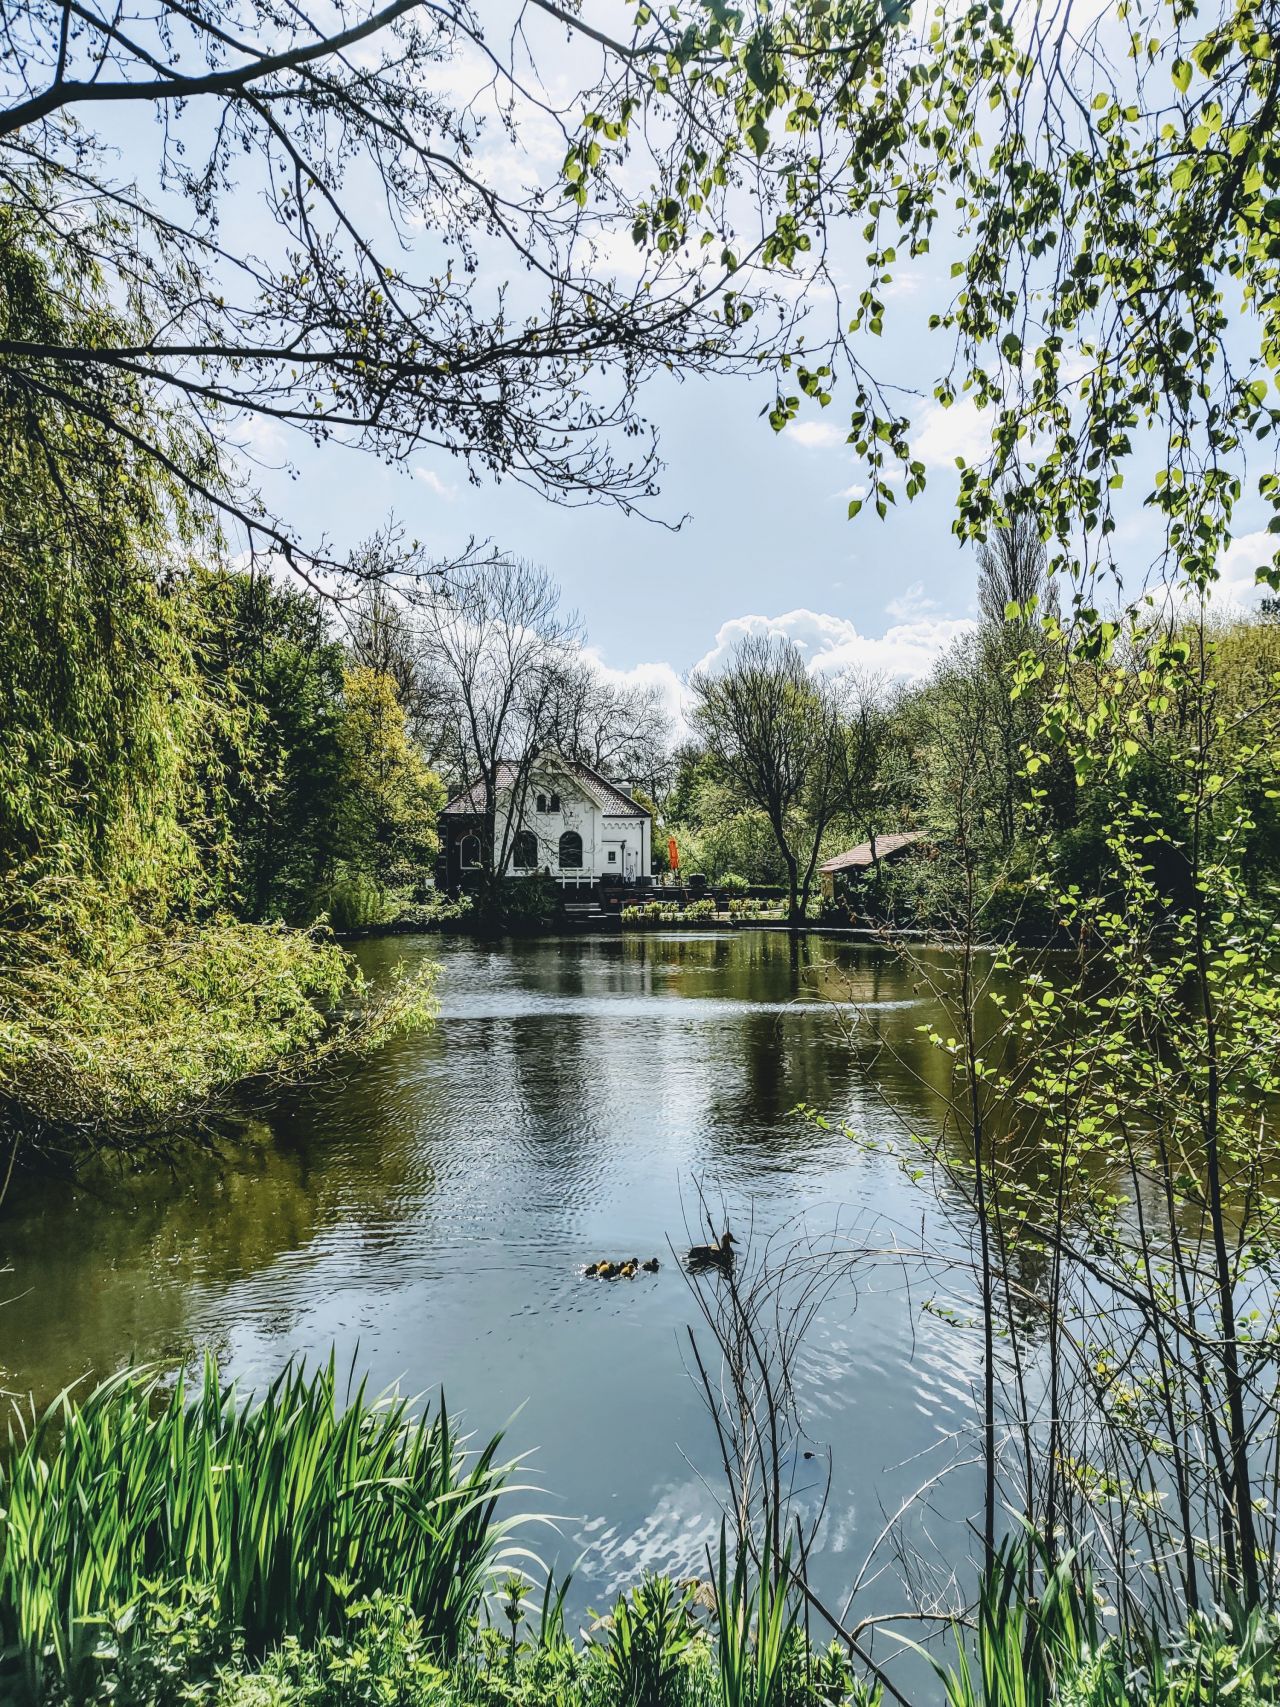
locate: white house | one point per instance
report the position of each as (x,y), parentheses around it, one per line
(572,822)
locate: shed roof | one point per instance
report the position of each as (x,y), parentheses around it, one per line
(856,859)
(613,801)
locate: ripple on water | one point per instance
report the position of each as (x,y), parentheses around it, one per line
(429,1216)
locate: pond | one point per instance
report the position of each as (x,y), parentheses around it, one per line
(429,1217)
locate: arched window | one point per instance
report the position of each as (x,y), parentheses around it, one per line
(555,803)
(571,851)
(542,803)
(524,853)
(469,853)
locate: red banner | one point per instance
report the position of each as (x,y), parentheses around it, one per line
(673,854)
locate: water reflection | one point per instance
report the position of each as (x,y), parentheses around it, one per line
(429,1216)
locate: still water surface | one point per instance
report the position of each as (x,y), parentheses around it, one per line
(428,1218)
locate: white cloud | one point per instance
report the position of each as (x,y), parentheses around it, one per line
(433,482)
(906,650)
(675,696)
(816,435)
(263,440)
(854,491)
(911,602)
(906,283)
(942,435)
(1236,566)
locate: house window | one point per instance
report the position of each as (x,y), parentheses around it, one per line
(469,853)
(555,802)
(524,855)
(542,803)
(571,851)
(613,856)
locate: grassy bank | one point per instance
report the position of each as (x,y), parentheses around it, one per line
(315,1548)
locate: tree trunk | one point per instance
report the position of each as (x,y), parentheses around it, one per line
(793,886)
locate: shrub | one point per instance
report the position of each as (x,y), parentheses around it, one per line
(518,903)
(113,1030)
(381,1657)
(705,909)
(356,902)
(751,908)
(434,909)
(733,883)
(659,912)
(653,1631)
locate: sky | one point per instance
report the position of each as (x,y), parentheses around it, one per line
(754,533)
(752,524)
(750,528)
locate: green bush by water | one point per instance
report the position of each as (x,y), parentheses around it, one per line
(273,1513)
(656,1649)
(356,902)
(1053,1648)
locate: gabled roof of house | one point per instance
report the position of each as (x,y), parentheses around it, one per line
(611,799)
(855,859)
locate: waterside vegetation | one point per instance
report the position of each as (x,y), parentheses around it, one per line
(178,1547)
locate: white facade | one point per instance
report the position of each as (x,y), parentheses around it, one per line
(577,827)
(573,823)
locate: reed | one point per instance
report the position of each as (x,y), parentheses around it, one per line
(282,1509)
(758,1627)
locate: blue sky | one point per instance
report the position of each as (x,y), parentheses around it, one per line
(766,536)
(766,529)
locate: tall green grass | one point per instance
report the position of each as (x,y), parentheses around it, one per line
(280,1509)
(758,1628)
(1053,1649)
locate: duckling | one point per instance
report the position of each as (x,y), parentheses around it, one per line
(719,1255)
(650,1266)
(627,1270)
(608,1271)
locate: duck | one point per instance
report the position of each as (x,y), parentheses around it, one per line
(628,1269)
(719,1255)
(650,1265)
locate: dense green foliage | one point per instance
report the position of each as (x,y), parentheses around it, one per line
(273,1513)
(105,725)
(1058,1647)
(961,758)
(188,765)
(112,1028)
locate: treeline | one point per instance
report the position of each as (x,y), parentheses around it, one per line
(245,762)
(788,767)
(191,763)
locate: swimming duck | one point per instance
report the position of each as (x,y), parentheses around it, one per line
(608,1270)
(650,1266)
(628,1269)
(719,1255)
